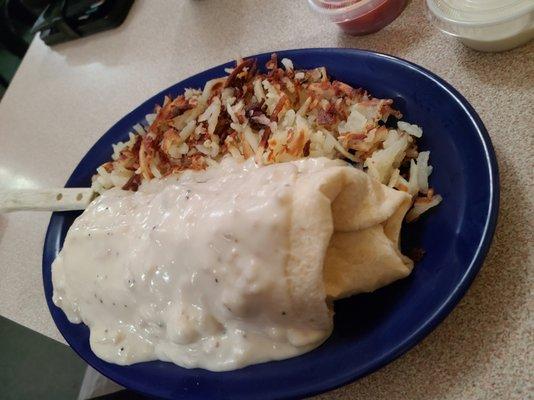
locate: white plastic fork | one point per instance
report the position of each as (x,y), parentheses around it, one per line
(61,199)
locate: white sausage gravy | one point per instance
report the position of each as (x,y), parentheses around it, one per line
(189,270)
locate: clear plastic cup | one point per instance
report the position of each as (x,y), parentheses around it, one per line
(359,17)
(485,25)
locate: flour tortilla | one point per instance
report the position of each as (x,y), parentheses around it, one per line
(344,237)
(334,233)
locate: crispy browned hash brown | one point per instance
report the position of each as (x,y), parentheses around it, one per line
(279,115)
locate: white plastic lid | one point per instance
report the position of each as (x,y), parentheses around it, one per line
(479,12)
(486,25)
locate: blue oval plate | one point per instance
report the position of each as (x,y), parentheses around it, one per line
(370,330)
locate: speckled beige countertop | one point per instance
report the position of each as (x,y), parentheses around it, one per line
(64,98)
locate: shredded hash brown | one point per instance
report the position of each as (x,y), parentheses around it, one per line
(278,115)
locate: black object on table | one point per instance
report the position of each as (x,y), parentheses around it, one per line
(65,20)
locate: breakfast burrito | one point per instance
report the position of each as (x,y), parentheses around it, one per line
(230,266)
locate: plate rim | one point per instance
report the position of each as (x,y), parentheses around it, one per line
(430,322)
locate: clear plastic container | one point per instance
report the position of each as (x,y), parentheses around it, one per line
(485,25)
(359,17)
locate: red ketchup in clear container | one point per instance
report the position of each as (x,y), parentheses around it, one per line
(359,17)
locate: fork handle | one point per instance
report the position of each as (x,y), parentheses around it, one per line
(61,199)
